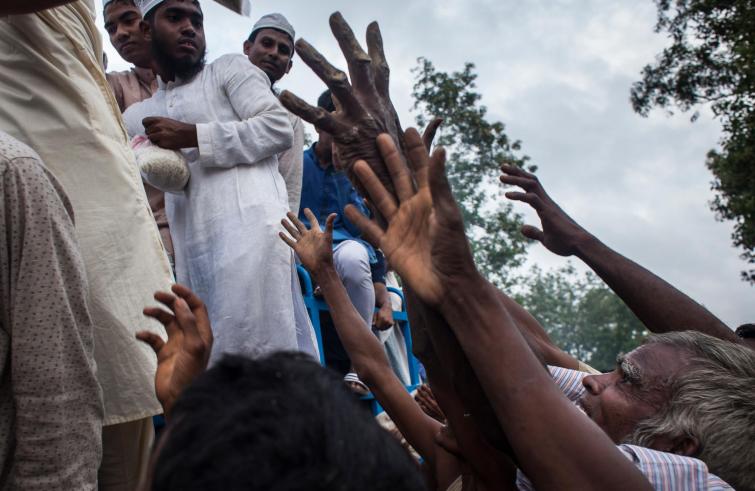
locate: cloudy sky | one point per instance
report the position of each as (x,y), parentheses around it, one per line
(558,74)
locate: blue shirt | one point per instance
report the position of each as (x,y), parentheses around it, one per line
(327,190)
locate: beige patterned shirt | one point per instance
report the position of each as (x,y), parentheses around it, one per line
(50,402)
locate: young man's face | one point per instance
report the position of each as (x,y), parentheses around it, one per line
(636,390)
(271,52)
(122,20)
(177,35)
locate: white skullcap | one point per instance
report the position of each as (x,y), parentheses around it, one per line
(274,21)
(146,5)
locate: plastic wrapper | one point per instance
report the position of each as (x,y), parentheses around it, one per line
(164,169)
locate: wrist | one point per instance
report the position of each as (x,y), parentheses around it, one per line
(190,136)
(585,245)
(463,295)
(325,273)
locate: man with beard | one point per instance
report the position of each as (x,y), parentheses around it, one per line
(270,47)
(230,127)
(55,99)
(122,19)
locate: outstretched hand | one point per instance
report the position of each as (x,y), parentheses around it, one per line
(560,234)
(424,240)
(313,246)
(185,354)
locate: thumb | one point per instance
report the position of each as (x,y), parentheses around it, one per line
(440,189)
(533,233)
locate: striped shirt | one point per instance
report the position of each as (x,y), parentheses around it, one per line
(665,471)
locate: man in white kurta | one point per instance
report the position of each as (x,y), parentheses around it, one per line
(54,97)
(225,223)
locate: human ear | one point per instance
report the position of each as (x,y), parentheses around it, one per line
(146,30)
(247,47)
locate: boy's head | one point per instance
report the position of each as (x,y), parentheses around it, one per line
(277,423)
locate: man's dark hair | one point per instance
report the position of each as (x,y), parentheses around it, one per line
(325,101)
(277,423)
(746,331)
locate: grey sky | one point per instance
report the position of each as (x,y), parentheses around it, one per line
(558,74)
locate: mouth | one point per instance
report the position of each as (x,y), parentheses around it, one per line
(187,44)
(127,46)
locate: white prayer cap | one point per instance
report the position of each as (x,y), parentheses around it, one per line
(274,21)
(146,5)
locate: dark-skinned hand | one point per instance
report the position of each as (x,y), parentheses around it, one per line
(363,104)
(169,133)
(426,400)
(382,319)
(560,234)
(424,240)
(313,246)
(185,354)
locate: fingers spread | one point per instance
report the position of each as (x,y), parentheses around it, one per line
(319,117)
(516,171)
(329,223)
(313,223)
(163,317)
(289,241)
(533,233)
(380,69)
(418,158)
(380,197)
(530,198)
(290,229)
(438,181)
(359,62)
(371,232)
(152,339)
(429,134)
(394,162)
(191,298)
(334,78)
(526,183)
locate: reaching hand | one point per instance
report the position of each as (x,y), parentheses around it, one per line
(364,107)
(313,246)
(424,240)
(186,353)
(560,234)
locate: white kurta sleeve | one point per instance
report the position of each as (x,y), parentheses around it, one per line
(291,165)
(264,129)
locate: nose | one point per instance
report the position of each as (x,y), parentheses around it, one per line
(187,29)
(593,384)
(121,34)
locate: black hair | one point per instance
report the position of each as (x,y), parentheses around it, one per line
(281,422)
(325,101)
(746,331)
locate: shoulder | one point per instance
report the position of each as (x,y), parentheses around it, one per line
(12,149)
(235,64)
(666,468)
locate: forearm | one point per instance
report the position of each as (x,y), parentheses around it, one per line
(372,366)
(381,295)
(554,443)
(17,7)
(364,349)
(660,306)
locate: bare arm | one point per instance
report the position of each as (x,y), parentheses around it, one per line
(660,306)
(314,248)
(554,443)
(17,7)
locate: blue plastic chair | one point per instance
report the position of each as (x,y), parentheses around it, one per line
(316,305)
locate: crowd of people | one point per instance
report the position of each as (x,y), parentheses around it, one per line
(230,356)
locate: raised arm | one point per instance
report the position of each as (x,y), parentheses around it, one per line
(315,250)
(555,444)
(660,306)
(17,7)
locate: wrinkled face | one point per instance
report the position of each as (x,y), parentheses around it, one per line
(271,52)
(635,390)
(177,36)
(122,20)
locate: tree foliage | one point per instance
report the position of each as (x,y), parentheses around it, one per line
(582,315)
(475,148)
(712,60)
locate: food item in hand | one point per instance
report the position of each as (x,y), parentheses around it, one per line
(162,168)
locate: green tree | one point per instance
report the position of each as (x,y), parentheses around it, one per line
(475,148)
(582,315)
(711,60)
